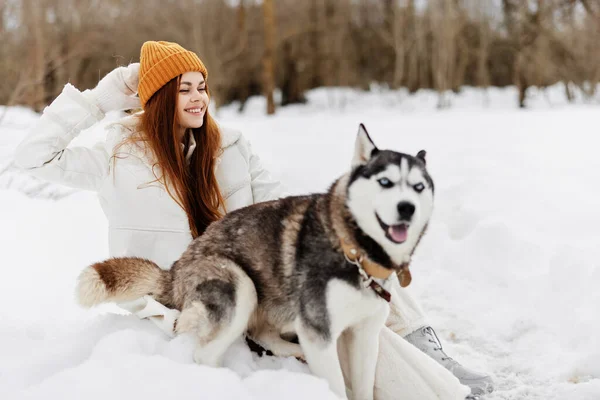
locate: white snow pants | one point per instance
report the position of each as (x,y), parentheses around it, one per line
(403,371)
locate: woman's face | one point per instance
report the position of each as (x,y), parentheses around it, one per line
(192,100)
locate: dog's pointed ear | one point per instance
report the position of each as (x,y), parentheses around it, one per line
(364,148)
(421,156)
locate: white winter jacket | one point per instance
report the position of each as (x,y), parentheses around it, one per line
(144,221)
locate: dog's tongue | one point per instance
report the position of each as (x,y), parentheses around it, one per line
(398,232)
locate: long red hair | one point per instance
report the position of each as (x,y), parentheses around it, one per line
(194,187)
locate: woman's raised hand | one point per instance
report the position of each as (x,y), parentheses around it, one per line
(117,90)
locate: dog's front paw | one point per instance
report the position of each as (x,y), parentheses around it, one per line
(287,349)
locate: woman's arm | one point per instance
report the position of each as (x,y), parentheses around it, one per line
(44,151)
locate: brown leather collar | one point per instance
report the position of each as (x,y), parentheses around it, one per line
(356,256)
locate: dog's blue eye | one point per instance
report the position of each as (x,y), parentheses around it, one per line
(419,187)
(385,182)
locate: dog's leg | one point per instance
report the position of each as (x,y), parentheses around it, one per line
(322,358)
(363,348)
(220,320)
(269,338)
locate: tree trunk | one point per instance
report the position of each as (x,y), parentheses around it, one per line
(412,79)
(398,29)
(521,80)
(316,42)
(243,73)
(269,55)
(290,88)
(37,93)
(483,73)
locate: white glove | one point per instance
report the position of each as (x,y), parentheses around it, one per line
(117,90)
(147,307)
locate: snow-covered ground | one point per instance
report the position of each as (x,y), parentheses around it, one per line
(508,271)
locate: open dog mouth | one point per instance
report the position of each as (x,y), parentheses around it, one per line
(396,233)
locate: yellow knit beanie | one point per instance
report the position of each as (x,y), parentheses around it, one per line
(162,61)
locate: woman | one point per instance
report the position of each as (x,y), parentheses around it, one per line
(163,175)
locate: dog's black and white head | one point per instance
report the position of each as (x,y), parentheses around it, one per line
(390,195)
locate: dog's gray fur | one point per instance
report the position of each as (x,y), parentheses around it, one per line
(277,267)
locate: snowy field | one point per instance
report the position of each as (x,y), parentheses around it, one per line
(508,272)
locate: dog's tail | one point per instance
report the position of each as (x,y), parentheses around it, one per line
(122,279)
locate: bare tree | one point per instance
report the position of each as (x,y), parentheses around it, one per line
(445,17)
(269,55)
(33,13)
(483,73)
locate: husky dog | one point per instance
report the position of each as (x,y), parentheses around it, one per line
(315,266)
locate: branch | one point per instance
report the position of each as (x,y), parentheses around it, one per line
(588,8)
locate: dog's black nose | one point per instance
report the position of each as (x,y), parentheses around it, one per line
(406,210)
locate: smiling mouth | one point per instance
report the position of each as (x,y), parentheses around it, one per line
(396,233)
(196,111)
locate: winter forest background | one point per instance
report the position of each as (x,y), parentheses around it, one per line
(503,95)
(299,45)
